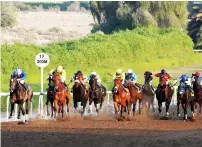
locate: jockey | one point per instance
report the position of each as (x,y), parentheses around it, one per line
(119,75)
(97,77)
(131,76)
(186,80)
(163,78)
(21,75)
(59,70)
(148,77)
(195,76)
(80,77)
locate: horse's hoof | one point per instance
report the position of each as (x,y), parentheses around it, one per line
(9,117)
(18,117)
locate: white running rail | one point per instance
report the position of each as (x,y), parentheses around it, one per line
(40,103)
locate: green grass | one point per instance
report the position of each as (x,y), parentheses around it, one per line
(139,49)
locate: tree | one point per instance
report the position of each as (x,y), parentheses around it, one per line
(8,14)
(112,16)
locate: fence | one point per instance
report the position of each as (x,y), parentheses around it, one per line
(40,103)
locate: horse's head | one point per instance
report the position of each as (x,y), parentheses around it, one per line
(76,82)
(57,81)
(93,82)
(117,84)
(14,83)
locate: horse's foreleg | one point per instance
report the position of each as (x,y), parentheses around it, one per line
(90,106)
(22,109)
(178,107)
(122,107)
(63,111)
(18,113)
(192,109)
(167,108)
(134,107)
(140,106)
(12,108)
(160,105)
(48,113)
(55,109)
(185,111)
(116,109)
(28,102)
(153,109)
(129,107)
(52,108)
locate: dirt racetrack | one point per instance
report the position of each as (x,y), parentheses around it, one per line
(104,132)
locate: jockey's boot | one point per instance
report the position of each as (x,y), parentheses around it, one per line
(153,90)
(138,87)
(66,87)
(26,86)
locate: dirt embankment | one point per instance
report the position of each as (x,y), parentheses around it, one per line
(46,27)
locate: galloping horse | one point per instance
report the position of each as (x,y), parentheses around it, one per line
(19,96)
(197,86)
(184,97)
(50,96)
(121,97)
(96,94)
(148,94)
(135,96)
(79,95)
(164,93)
(61,97)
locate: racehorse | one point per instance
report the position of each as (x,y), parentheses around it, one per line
(135,95)
(50,96)
(184,97)
(197,86)
(121,98)
(79,95)
(148,94)
(96,94)
(164,93)
(19,95)
(60,95)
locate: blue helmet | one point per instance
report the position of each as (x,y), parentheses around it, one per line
(163,71)
(18,71)
(184,78)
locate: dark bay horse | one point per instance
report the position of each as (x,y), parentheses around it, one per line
(197,86)
(148,94)
(96,94)
(121,98)
(20,96)
(50,96)
(135,95)
(184,97)
(60,96)
(79,95)
(164,93)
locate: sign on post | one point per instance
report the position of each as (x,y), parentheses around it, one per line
(42,60)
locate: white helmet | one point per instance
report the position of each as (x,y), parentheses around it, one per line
(18,71)
(130,71)
(59,69)
(94,73)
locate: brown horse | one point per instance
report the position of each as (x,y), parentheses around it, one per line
(121,97)
(197,86)
(184,97)
(164,93)
(60,96)
(19,96)
(96,94)
(135,96)
(79,95)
